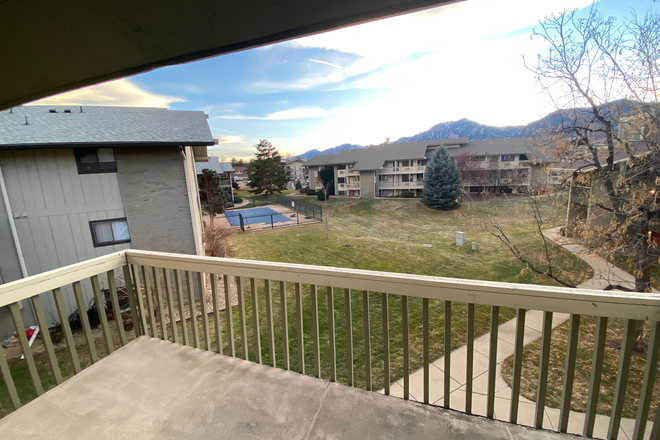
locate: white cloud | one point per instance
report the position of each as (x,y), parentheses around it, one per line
(294,113)
(229,139)
(121,92)
(326,63)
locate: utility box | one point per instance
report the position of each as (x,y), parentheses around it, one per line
(460,239)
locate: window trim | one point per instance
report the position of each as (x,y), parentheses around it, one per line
(108,243)
(77,152)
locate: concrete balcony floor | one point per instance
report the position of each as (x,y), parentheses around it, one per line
(153,389)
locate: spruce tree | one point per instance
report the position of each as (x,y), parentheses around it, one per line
(266,172)
(211,195)
(442,182)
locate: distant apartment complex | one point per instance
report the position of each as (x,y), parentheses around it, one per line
(492,165)
(224,169)
(297,170)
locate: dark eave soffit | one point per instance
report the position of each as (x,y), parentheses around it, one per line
(52,46)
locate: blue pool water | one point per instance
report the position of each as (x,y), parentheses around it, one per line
(255,215)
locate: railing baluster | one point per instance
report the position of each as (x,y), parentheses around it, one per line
(425,343)
(299,326)
(182,307)
(66,328)
(129,284)
(285,327)
(569,372)
(170,305)
(144,329)
(87,329)
(216,313)
(349,336)
(367,338)
(201,287)
(315,331)
(650,370)
(492,360)
(193,308)
(50,350)
(9,381)
(469,366)
(150,301)
(25,346)
(255,319)
(655,431)
(230,317)
(386,344)
(625,357)
(241,317)
(116,309)
(331,334)
(447,390)
(596,374)
(406,348)
(159,302)
(517,364)
(100,310)
(270,323)
(544,364)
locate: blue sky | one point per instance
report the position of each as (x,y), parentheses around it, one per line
(389,78)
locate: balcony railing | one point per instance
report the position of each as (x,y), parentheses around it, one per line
(401,185)
(403,170)
(163,289)
(350,185)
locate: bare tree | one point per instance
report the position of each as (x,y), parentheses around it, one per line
(602,75)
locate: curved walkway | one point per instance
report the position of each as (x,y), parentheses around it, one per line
(604,274)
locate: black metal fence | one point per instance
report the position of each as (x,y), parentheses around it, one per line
(306,209)
(266,221)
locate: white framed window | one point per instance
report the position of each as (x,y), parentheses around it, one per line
(109,232)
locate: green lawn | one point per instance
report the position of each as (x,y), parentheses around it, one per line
(387,235)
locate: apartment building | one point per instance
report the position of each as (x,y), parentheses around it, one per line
(492,165)
(81,182)
(224,169)
(297,171)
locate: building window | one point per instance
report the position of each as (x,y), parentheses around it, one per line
(341,193)
(421,163)
(341,167)
(95,160)
(405,163)
(341,179)
(109,232)
(523,157)
(510,158)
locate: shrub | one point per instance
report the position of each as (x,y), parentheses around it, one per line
(407,194)
(321,195)
(303,190)
(238,200)
(311,192)
(216,241)
(92,315)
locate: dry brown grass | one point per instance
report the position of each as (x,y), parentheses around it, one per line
(530,373)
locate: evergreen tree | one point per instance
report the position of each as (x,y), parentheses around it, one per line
(266,172)
(327,178)
(211,195)
(298,185)
(442,182)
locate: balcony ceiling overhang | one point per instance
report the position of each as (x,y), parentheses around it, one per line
(55,46)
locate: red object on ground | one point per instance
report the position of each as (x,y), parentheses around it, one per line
(29,332)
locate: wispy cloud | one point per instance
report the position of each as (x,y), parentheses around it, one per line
(229,139)
(294,113)
(326,63)
(121,92)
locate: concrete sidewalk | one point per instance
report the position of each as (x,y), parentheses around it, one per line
(604,274)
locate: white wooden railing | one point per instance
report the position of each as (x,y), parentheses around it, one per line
(163,288)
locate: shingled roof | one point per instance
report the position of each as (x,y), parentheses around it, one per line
(69,126)
(215,165)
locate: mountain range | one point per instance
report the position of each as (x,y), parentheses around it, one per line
(476,131)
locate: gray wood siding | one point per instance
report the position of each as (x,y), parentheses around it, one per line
(54,205)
